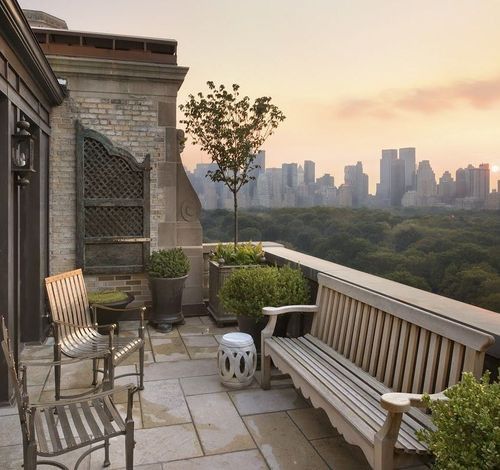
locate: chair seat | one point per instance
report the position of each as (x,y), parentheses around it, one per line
(353,392)
(65,427)
(94,342)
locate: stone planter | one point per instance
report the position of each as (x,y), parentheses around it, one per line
(166,297)
(217,275)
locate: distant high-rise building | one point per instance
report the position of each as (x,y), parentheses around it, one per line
(408,156)
(397,182)
(344,196)
(446,188)
(260,163)
(309,172)
(426,184)
(384,187)
(326,181)
(358,181)
(290,175)
(300,175)
(481,181)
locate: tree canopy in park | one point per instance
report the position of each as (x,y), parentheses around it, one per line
(455,254)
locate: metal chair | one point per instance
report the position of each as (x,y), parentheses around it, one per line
(76,335)
(79,422)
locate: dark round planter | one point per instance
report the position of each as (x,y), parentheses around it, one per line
(166,295)
(254,328)
(105,317)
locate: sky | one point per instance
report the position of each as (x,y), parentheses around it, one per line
(351,76)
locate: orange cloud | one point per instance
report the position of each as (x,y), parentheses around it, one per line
(479,94)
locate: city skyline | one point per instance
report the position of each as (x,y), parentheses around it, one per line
(346,81)
(404,181)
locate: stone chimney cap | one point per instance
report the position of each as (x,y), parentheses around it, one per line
(40,19)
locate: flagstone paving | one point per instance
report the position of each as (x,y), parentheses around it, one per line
(185,419)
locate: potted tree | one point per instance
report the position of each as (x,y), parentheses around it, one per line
(223,261)
(247,291)
(168,270)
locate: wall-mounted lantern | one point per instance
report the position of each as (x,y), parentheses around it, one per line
(23,153)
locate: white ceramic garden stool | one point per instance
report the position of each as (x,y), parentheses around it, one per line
(237,360)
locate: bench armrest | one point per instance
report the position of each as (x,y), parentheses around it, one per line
(402,402)
(271,311)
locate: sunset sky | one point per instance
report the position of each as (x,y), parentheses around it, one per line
(352,76)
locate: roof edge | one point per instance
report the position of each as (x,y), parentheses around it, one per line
(22,39)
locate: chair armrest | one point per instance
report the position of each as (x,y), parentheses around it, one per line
(402,402)
(270,311)
(130,387)
(140,310)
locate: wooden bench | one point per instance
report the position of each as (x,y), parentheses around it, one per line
(364,347)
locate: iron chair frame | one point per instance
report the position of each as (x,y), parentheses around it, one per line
(86,339)
(30,422)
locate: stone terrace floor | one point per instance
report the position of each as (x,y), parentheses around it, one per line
(185,419)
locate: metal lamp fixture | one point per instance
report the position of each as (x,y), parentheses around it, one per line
(23,153)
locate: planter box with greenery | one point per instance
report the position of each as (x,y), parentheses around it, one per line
(226,259)
(168,271)
(111,299)
(247,291)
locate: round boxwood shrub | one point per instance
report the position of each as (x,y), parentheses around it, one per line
(168,263)
(467,433)
(248,290)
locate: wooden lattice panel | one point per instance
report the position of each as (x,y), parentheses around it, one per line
(112,206)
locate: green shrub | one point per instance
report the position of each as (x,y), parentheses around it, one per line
(242,255)
(168,263)
(248,290)
(467,434)
(107,297)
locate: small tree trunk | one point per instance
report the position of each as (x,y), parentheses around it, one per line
(235,199)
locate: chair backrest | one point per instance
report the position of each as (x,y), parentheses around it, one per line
(68,301)
(406,348)
(18,385)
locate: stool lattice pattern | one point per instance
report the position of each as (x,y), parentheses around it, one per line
(237,364)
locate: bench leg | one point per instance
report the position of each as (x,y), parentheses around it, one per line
(266,372)
(385,440)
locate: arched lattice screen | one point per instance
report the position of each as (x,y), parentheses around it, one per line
(112,206)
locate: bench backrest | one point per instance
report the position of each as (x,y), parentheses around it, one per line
(406,348)
(68,300)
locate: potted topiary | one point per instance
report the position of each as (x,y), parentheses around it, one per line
(467,433)
(109,298)
(247,291)
(223,261)
(168,271)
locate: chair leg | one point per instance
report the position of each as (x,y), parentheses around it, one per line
(57,373)
(106,463)
(30,457)
(141,368)
(95,363)
(129,445)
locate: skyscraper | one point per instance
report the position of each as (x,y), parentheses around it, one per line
(358,181)
(426,183)
(481,181)
(408,156)
(446,188)
(309,172)
(290,175)
(259,163)
(397,182)
(384,187)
